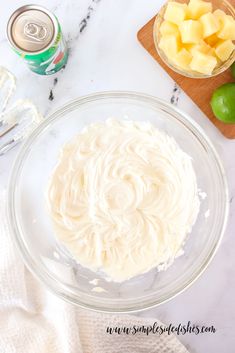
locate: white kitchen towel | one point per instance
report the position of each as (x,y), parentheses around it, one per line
(32,320)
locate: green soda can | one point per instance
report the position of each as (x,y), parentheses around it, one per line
(35,35)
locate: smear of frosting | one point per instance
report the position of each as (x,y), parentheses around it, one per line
(123,198)
(95,281)
(7,88)
(18,121)
(98,290)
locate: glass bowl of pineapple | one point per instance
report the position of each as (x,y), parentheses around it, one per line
(196,38)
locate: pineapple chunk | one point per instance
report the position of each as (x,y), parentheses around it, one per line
(189,47)
(191,31)
(227,29)
(175,12)
(197,8)
(202,47)
(170,44)
(168,28)
(212,40)
(203,63)
(219,14)
(183,59)
(224,49)
(210,24)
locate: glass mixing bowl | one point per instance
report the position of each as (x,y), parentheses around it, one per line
(31,227)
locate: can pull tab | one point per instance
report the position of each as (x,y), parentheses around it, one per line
(35,31)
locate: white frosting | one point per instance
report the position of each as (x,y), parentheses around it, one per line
(98,290)
(95,281)
(20,119)
(123,197)
(7,88)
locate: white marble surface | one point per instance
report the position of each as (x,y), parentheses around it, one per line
(105,55)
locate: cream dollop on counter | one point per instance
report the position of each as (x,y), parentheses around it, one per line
(123,198)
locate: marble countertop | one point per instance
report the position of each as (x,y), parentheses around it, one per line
(105,55)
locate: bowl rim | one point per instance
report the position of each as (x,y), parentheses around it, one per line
(38,271)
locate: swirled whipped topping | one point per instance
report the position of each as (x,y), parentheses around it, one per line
(123,198)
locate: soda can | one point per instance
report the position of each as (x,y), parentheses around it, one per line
(35,35)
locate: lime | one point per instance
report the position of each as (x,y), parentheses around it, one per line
(223,103)
(233,69)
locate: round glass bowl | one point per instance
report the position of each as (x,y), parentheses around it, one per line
(31,226)
(224,5)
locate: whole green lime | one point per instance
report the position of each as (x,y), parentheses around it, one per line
(233,69)
(223,103)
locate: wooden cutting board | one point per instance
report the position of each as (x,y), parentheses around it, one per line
(199,90)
